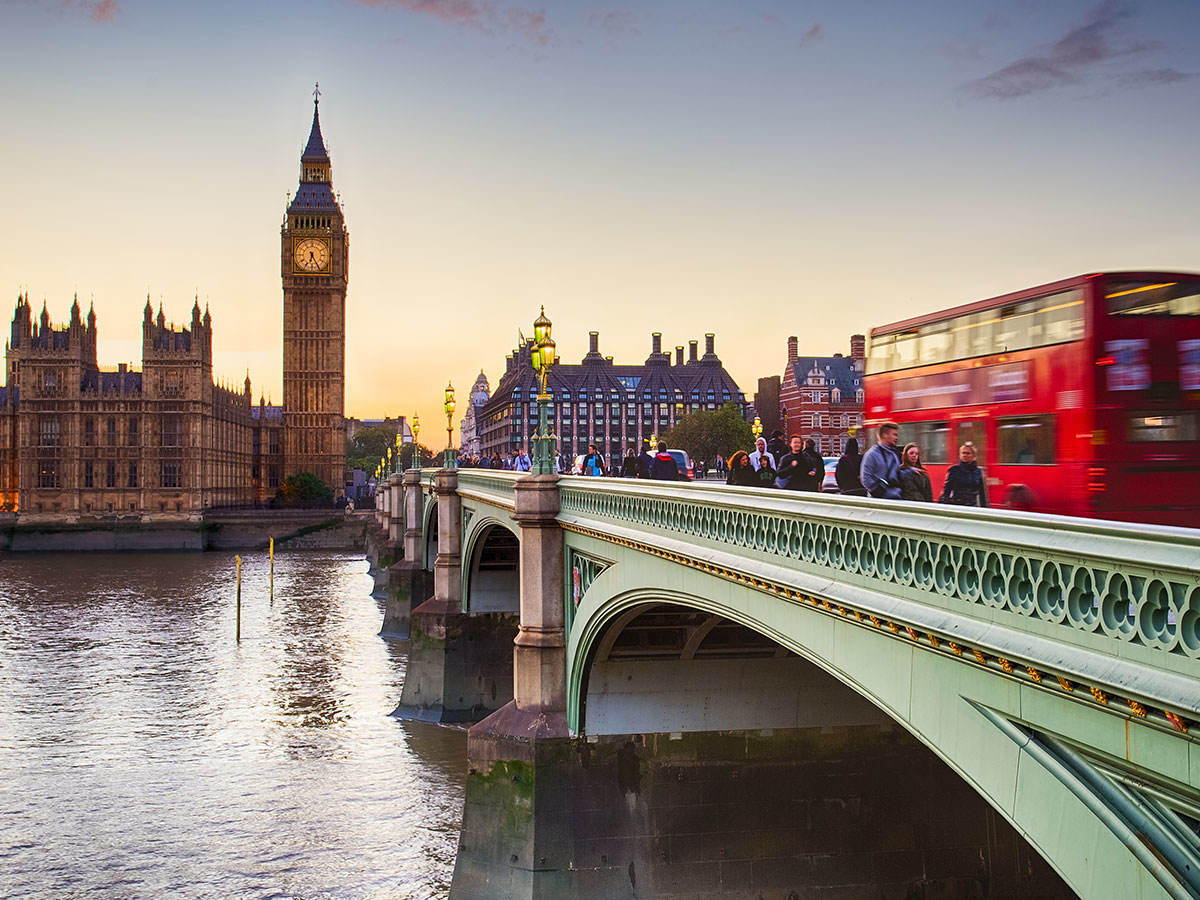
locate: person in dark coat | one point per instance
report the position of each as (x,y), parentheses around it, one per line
(964,480)
(847,470)
(629,465)
(766,475)
(814,472)
(793,467)
(645,461)
(741,472)
(777,446)
(593,462)
(663,468)
(914,480)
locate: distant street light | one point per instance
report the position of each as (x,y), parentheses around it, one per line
(448,406)
(756,428)
(416,429)
(399,449)
(543,357)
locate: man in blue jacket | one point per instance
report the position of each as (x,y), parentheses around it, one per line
(881,466)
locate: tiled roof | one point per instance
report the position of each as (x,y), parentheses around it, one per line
(838,371)
(272,413)
(313,195)
(316,143)
(129,382)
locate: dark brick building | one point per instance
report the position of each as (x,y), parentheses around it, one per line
(603,403)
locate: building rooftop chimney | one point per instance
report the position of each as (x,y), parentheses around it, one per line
(656,343)
(692,349)
(679,354)
(793,349)
(710,345)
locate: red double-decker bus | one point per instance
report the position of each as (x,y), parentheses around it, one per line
(1081,397)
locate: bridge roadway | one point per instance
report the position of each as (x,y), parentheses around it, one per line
(986,691)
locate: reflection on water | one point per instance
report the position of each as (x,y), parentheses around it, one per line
(144,753)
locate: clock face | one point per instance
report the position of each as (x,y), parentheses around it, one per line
(311,255)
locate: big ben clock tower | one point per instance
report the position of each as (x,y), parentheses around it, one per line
(315,268)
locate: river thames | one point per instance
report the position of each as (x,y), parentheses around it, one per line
(144,753)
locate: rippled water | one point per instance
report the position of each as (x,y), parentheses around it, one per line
(143,753)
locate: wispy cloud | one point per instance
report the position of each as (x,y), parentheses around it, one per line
(480,15)
(813,34)
(616,23)
(96,10)
(1152,77)
(1072,59)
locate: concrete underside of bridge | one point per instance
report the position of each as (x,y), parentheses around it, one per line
(717,764)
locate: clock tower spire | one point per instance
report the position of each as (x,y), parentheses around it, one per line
(315,259)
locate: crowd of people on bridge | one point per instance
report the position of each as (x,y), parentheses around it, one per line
(886,470)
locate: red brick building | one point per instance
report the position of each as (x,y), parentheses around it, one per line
(821,397)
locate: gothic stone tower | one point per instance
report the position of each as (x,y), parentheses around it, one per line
(315,257)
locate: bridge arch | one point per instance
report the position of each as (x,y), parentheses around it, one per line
(429,532)
(961,714)
(491,579)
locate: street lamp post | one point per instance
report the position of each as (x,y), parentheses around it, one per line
(416,429)
(400,449)
(448,406)
(543,357)
(756,428)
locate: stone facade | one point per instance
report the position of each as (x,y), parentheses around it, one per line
(82,441)
(315,267)
(599,402)
(821,397)
(469,444)
(77,441)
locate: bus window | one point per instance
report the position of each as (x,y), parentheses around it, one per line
(1025,440)
(1164,426)
(1149,298)
(932,437)
(974,432)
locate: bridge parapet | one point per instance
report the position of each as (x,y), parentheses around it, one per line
(1116,606)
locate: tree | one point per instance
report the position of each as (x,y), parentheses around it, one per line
(304,490)
(706,433)
(368,445)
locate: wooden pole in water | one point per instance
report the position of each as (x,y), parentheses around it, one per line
(238,561)
(271,553)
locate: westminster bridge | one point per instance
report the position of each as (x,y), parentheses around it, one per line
(736,692)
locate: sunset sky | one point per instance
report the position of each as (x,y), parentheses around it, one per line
(754,169)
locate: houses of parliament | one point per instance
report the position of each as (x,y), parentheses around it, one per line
(168,441)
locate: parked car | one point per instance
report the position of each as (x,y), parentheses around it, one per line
(829,482)
(687,471)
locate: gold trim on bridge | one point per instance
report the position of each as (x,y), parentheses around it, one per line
(974,656)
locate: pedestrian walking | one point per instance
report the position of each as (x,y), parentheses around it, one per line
(741,472)
(593,462)
(847,470)
(880,473)
(521,461)
(645,461)
(663,468)
(914,480)
(792,470)
(629,465)
(965,485)
(814,467)
(760,449)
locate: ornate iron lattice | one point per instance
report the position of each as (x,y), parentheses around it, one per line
(1126,600)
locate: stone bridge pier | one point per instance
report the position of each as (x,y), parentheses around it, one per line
(459,659)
